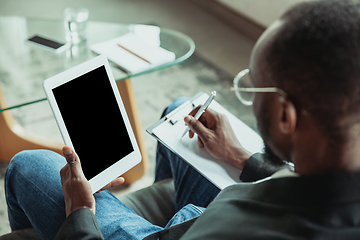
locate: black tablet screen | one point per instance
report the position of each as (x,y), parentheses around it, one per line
(94,121)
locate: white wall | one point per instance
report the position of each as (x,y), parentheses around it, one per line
(263,12)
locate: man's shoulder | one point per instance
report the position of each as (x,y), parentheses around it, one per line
(231,214)
(291,206)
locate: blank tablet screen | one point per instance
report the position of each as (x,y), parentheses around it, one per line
(93,120)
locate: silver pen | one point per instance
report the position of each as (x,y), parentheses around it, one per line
(202,110)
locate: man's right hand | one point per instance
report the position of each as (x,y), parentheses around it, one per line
(216,135)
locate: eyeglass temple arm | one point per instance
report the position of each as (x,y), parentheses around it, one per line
(264,89)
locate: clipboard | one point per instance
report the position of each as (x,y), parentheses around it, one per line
(168,131)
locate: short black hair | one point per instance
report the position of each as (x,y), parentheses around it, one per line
(315,58)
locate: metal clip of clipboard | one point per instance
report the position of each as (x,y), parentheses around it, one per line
(185,104)
(172,113)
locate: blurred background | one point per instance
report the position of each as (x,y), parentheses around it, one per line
(224,32)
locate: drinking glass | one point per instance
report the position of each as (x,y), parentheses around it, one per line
(75,22)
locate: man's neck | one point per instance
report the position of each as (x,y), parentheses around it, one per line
(317,154)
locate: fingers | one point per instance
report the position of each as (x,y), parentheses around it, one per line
(72,160)
(204,127)
(194,111)
(200,127)
(114,183)
(69,155)
(200,142)
(209,113)
(196,126)
(63,173)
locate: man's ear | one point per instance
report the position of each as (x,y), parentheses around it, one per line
(287,117)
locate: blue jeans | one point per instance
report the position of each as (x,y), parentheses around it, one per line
(35,199)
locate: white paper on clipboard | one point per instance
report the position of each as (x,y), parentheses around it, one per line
(218,172)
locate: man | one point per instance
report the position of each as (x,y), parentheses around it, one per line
(306,75)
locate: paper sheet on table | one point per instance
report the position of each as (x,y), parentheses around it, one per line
(218,172)
(156,55)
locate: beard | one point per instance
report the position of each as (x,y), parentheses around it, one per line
(263,124)
(271,158)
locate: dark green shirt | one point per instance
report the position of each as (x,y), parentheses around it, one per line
(306,207)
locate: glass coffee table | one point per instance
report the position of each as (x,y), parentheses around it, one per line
(22,64)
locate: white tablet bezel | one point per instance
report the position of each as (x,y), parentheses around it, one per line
(122,165)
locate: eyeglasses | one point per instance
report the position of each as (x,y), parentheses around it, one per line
(245,91)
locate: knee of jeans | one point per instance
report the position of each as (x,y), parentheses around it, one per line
(25,157)
(27,161)
(176,103)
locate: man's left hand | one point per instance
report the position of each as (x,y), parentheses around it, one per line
(76,188)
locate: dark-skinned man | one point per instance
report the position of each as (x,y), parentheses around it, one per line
(305,80)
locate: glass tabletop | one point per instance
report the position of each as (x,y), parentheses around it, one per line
(24,67)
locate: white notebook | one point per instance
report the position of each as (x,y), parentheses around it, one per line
(133,53)
(169,131)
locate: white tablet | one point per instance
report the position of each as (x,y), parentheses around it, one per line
(93,121)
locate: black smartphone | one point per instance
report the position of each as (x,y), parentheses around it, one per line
(48,44)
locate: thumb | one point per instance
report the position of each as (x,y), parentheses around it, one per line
(73,161)
(196,126)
